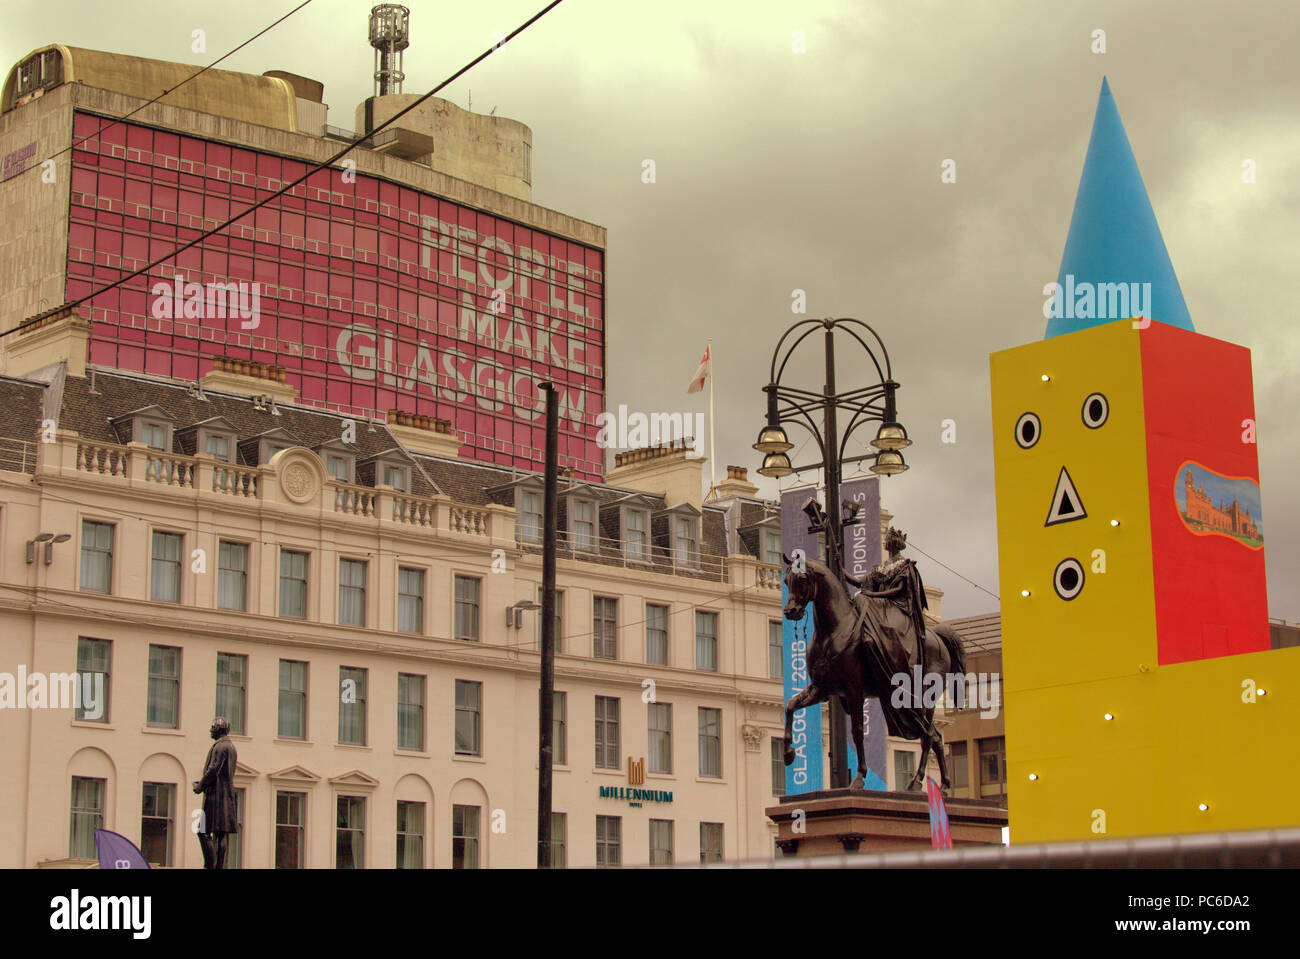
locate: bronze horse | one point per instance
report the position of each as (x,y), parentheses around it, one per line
(870,660)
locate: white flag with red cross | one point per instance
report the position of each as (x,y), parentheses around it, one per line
(702,374)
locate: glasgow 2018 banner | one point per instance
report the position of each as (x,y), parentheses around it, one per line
(805,773)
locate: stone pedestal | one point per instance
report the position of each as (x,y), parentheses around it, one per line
(838,821)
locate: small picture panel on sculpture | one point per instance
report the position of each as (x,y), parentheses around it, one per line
(1211,504)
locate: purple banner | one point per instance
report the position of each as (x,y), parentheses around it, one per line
(115,851)
(861,556)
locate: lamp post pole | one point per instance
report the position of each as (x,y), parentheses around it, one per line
(831,548)
(786,404)
(546,692)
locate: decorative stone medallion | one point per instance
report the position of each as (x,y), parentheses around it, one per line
(299,482)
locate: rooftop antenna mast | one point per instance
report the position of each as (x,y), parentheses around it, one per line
(389,35)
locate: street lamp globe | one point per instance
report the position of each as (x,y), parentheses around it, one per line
(776,465)
(891,436)
(888,463)
(772,439)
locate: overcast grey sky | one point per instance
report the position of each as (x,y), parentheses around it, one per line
(820,171)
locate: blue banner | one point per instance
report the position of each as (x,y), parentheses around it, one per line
(861,555)
(805,773)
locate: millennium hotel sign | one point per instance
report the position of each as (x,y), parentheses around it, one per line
(636,777)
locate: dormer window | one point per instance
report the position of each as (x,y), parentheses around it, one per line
(339,460)
(771,547)
(677,531)
(762,539)
(686,545)
(636,534)
(582,523)
(634,525)
(391,468)
(264,446)
(153,427)
(155,436)
(527,494)
(528,503)
(216,437)
(339,467)
(217,445)
(398,477)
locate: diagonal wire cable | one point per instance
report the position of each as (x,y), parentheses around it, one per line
(169,90)
(324,164)
(912,545)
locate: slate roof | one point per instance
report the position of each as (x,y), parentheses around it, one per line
(473,484)
(21,403)
(982,634)
(753,512)
(115,394)
(91,414)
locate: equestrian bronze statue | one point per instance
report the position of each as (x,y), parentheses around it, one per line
(868,645)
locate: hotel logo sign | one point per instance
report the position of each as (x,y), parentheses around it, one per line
(635,777)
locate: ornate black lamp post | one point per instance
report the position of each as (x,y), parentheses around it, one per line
(871,404)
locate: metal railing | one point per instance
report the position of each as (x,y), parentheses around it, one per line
(18,456)
(1266,848)
(610,551)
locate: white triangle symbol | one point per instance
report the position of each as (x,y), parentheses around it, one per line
(1066,505)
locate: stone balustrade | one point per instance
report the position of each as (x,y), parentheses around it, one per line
(289,483)
(134,465)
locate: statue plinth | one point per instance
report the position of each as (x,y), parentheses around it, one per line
(838,821)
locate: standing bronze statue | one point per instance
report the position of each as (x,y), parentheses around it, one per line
(220,817)
(871,645)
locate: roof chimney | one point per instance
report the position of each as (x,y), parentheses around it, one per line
(736,484)
(663,468)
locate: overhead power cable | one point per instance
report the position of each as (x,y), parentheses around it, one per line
(169,90)
(324,164)
(912,545)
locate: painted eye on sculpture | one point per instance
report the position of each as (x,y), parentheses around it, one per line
(1068,580)
(1095,410)
(1028,429)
